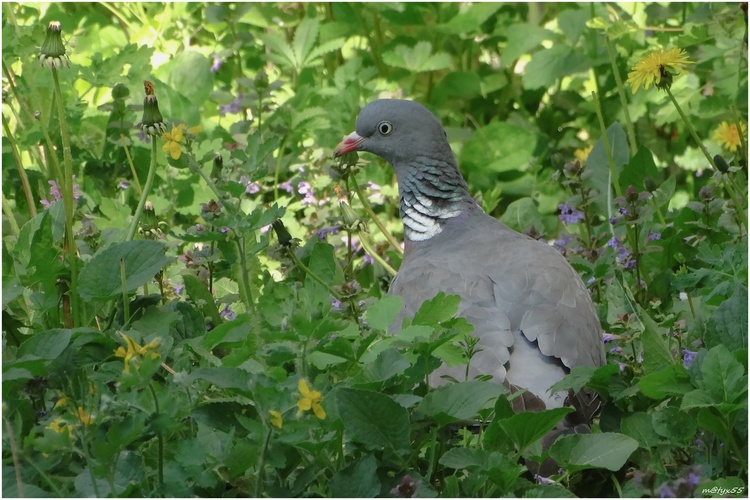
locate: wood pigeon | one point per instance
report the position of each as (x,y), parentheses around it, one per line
(532,314)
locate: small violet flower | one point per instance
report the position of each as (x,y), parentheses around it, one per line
(569,215)
(216,64)
(688,357)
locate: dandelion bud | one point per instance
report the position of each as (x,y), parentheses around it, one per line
(152,122)
(120,91)
(285,239)
(649,184)
(721,164)
(52,54)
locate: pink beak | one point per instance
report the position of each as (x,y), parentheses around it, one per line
(350,143)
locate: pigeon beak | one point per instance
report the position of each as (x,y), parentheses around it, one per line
(351,142)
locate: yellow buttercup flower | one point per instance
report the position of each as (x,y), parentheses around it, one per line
(582,154)
(654,68)
(276,419)
(84,417)
(728,136)
(134,350)
(172,141)
(58,425)
(310,400)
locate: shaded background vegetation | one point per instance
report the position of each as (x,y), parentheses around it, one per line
(178,374)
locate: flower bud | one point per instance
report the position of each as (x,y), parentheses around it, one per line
(52,54)
(152,122)
(721,164)
(649,184)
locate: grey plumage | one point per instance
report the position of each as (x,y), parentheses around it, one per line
(532,314)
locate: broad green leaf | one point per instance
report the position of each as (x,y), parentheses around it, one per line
(609,450)
(452,402)
(304,40)
(464,458)
(728,325)
(499,147)
(522,37)
(382,313)
(469,19)
(724,377)
(358,480)
(198,292)
(675,425)
(46,345)
(526,428)
(656,353)
(697,399)
(639,426)
(576,379)
(224,377)
(523,214)
(418,58)
(598,164)
(100,278)
(373,419)
(673,380)
(387,364)
(229,332)
(638,168)
(548,65)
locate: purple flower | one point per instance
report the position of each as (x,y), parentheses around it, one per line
(367,259)
(322,233)
(653,236)
(618,218)
(616,349)
(216,64)
(56,193)
(688,357)
(178,289)
(614,242)
(694,477)
(569,215)
(624,258)
(224,229)
(608,337)
(543,480)
(373,186)
(666,492)
(562,244)
(407,488)
(123,185)
(144,137)
(335,303)
(227,314)
(306,189)
(233,107)
(621,365)
(287,186)
(252,188)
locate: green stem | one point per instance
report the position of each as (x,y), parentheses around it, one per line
(19,164)
(132,170)
(125,301)
(371,213)
(262,464)
(14,454)
(623,100)
(145,193)
(314,276)
(730,190)
(607,147)
(160,441)
(658,212)
(374,254)
(277,171)
(11,218)
(68,200)
(245,277)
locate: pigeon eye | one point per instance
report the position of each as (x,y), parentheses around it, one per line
(385,128)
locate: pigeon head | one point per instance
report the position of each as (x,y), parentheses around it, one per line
(400,131)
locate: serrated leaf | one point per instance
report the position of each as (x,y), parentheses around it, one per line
(460,401)
(382,313)
(675,425)
(358,480)
(373,419)
(305,37)
(46,345)
(724,377)
(640,427)
(609,450)
(387,364)
(418,58)
(434,311)
(656,354)
(671,381)
(100,278)
(728,325)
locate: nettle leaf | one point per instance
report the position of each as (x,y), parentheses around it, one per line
(434,311)
(671,381)
(523,214)
(201,296)
(374,419)
(418,58)
(675,425)
(230,332)
(609,450)
(358,480)
(522,37)
(469,19)
(728,325)
(499,147)
(460,401)
(547,65)
(100,278)
(640,427)
(305,37)
(724,377)
(656,353)
(46,345)
(526,428)
(387,364)
(382,313)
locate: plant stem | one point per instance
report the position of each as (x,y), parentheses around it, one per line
(623,100)
(607,148)
(145,193)
(68,200)
(14,453)
(730,190)
(11,218)
(125,301)
(371,213)
(160,441)
(132,170)
(21,171)
(374,254)
(314,276)
(262,464)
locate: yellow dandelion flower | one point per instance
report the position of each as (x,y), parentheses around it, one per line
(172,141)
(728,136)
(654,66)
(61,402)
(276,419)
(84,417)
(582,154)
(58,425)
(134,350)
(310,400)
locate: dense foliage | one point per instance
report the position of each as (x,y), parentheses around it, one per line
(160,339)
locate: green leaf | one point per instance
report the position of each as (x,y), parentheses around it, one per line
(638,168)
(418,58)
(469,19)
(305,37)
(100,277)
(598,164)
(224,377)
(382,313)
(576,379)
(522,37)
(724,377)
(656,353)
(499,147)
(675,425)
(374,419)
(728,325)
(640,427)
(523,214)
(465,458)
(46,345)
(461,401)
(387,364)
(358,480)
(670,381)
(548,65)
(229,332)
(198,292)
(434,311)
(609,450)
(526,428)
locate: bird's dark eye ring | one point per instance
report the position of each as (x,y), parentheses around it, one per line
(385,128)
